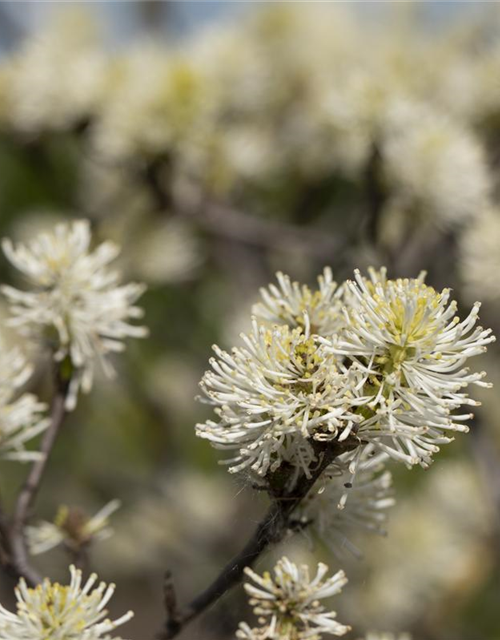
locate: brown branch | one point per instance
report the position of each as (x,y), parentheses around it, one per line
(18,549)
(174,616)
(271,530)
(225,221)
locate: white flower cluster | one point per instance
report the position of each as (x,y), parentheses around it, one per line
(21,414)
(410,345)
(279,384)
(388,372)
(288,604)
(55,612)
(273,398)
(76,303)
(71,527)
(289,303)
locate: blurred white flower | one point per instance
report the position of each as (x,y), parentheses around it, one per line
(249,152)
(76,304)
(344,505)
(58,78)
(316,311)
(56,612)
(235,67)
(441,529)
(279,106)
(72,527)
(288,604)
(334,140)
(435,166)
(480,258)
(167,252)
(22,416)
(466,83)
(274,397)
(408,341)
(158,101)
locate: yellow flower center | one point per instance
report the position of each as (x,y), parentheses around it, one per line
(408,309)
(52,612)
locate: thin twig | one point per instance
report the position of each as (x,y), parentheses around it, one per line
(80,556)
(271,530)
(170,600)
(19,552)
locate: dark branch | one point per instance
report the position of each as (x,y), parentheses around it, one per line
(271,530)
(223,220)
(19,559)
(227,222)
(174,616)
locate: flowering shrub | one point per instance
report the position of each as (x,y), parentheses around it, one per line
(298,137)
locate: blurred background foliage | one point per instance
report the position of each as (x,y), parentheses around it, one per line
(218,143)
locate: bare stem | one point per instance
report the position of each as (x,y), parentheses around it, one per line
(18,549)
(271,530)
(80,557)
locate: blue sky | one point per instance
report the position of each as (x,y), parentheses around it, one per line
(123,20)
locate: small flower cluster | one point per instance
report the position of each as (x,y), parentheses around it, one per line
(288,604)
(77,305)
(281,391)
(294,305)
(410,345)
(71,527)
(273,397)
(55,612)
